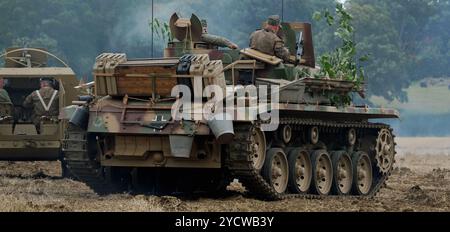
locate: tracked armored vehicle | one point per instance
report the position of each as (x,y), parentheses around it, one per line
(139,130)
(22,70)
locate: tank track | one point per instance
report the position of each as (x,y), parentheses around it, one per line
(81,165)
(88,170)
(238,163)
(241,167)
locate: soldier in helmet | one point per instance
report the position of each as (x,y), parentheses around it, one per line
(267,40)
(5,101)
(44,102)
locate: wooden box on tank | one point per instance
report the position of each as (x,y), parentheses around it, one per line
(116,76)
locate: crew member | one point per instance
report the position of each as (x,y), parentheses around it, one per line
(44,102)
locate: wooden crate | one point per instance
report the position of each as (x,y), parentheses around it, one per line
(143,81)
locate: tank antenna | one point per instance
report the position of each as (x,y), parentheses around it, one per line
(282,10)
(152,28)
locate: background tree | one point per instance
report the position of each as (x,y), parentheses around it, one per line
(392,32)
(407,39)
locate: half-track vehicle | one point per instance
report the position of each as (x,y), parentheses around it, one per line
(19,138)
(140,131)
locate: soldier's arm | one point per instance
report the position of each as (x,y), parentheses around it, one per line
(8,98)
(219,41)
(4,97)
(251,39)
(281,51)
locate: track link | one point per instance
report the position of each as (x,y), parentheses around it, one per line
(81,165)
(239,164)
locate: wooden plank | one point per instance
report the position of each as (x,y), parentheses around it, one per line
(129,82)
(100,87)
(273,60)
(140,86)
(122,71)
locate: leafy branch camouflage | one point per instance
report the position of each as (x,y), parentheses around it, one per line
(341,64)
(162,29)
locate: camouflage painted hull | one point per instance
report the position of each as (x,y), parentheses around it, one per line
(131,138)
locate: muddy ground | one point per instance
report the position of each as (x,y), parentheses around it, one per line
(421,182)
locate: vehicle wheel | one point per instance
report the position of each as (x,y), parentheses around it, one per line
(286,134)
(362,173)
(343,173)
(322,173)
(258,146)
(275,170)
(313,135)
(300,171)
(351,137)
(385,151)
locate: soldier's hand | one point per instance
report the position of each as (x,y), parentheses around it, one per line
(294,60)
(233,46)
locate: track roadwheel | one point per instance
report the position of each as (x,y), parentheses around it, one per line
(322,172)
(275,170)
(300,171)
(258,146)
(362,173)
(343,173)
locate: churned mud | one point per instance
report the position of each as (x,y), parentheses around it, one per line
(420,182)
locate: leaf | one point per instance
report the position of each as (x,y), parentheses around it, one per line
(329,18)
(364,58)
(161,29)
(317,16)
(341,64)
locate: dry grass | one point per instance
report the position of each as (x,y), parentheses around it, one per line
(421,182)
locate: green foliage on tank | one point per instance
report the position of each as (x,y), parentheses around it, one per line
(342,63)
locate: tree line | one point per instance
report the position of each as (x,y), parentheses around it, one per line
(406,40)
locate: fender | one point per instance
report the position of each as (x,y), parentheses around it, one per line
(67,112)
(76,115)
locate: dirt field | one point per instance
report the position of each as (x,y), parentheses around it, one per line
(421,182)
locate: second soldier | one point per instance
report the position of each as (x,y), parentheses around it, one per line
(43,102)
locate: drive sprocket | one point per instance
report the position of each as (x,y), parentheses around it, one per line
(385,151)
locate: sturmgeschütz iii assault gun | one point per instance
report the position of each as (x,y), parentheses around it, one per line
(268,124)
